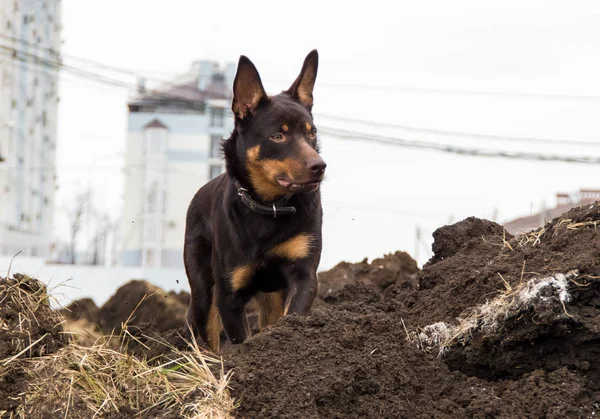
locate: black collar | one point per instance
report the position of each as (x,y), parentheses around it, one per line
(259,208)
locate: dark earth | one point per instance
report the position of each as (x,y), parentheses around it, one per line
(351,358)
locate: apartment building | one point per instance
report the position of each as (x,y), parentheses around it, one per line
(29,60)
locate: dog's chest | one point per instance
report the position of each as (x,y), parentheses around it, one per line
(296,247)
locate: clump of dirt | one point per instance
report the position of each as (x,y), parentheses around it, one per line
(81,321)
(517,319)
(28,327)
(141,304)
(26,317)
(83,309)
(397,269)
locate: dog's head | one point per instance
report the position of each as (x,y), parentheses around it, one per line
(275,138)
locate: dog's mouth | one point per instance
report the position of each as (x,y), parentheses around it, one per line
(309,186)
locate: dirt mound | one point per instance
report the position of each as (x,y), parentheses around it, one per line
(44,374)
(552,330)
(492,326)
(498,326)
(397,269)
(83,309)
(141,304)
(28,327)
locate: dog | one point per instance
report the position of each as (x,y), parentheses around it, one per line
(255,230)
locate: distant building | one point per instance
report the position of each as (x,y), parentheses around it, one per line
(29,57)
(173,148)
(564,202)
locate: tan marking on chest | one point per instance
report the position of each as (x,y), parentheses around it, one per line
(241,276)
(295,248)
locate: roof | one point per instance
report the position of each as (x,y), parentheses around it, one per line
(534,221)
(185,95)
(155,123)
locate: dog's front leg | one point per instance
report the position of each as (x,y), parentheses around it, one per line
(231,308)
(302,290)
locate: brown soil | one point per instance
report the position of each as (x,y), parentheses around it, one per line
(352,359)
(356,355)
(25,317)
(161,311)
(84,309)
(397,269)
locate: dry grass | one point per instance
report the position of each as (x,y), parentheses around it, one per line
(534,238)
(103,378)
(24,314)
(107,380)
(490,317)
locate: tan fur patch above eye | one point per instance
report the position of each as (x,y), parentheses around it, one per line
(308,126)
(285,128)
(241,276)
(297,247)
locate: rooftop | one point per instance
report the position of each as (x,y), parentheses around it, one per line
(564,202)
(189,94)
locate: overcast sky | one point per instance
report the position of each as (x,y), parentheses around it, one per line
(375,195)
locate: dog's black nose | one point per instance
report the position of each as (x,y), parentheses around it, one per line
(316,165)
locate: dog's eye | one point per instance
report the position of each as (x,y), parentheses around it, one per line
(313,134)
(278,137)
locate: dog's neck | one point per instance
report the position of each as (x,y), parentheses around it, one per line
(245,189)
(277,208)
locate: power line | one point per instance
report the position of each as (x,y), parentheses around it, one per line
(85,74)
(427,90)
(94,63)
(386,88)
(401,142)
(344,134)
(463,134)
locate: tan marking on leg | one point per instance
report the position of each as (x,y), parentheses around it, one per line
(295,248)
(288,301)
(240,276)
(214,326)
(285,128)
(247,326)
(270,308)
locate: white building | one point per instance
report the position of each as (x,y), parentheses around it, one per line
(173,148)
(29,60)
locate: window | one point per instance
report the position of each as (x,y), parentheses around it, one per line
(156,140)
(217,117)
(215,170)
(151,199)
(215,147)
(149,257)
(150,231)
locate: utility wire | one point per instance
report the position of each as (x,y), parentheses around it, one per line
(547,96)
(337,132)
(462,134)
(27,57)
(401,142)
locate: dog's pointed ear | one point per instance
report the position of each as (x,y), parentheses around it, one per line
(302,88)
(248,91)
